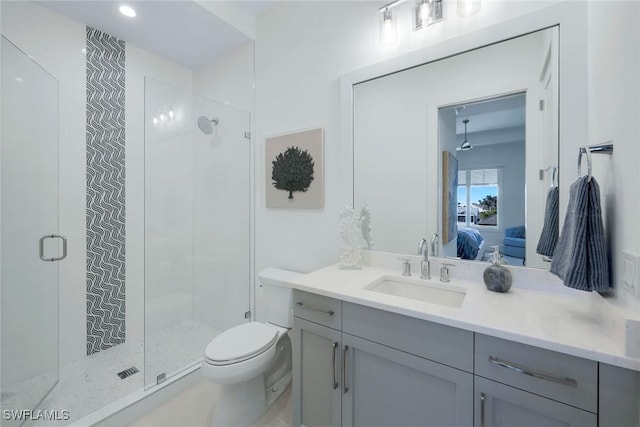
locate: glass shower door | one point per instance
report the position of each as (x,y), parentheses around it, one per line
(197,226)
(30,244)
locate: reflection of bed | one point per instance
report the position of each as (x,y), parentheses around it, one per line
(470,244)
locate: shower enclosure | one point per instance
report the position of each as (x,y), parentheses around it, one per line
(193,206)
(29,230)
(197,219)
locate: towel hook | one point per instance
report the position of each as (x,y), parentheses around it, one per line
(586,151)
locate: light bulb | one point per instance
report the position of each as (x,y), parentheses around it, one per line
(424,13)
(163,118)
(171,114)
(155,121)
(468,7)
(388,33)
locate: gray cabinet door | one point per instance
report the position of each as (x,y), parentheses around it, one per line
(387,387)
(316,374)
(500,405)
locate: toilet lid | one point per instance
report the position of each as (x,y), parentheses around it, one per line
(241,342)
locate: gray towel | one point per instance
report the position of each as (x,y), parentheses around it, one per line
(550,230)
(580,258)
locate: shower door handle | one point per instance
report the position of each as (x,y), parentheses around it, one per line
(53,236)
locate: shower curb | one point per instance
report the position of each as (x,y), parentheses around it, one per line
(134,405)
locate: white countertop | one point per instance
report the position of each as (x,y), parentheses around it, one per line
(578,323)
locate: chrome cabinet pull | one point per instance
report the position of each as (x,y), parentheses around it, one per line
(53,236)
(482,396)
(533,373)
(335,350)
(345,387)
(317,310)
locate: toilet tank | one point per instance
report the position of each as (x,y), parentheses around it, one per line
(278,295)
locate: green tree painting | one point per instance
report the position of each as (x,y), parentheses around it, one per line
(292,171)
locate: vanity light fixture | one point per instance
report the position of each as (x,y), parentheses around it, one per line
(427,12)
(469,7)
(424,13)
(127,11)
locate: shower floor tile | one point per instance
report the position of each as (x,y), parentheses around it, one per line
(89,384)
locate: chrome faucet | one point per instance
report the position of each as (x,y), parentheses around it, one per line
(425,264)
(444,272)
(435,241)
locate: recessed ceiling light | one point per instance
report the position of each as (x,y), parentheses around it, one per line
(127,11)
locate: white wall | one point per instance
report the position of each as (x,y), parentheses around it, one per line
(223,277)
(140,63)
(302,49)
(614,108)
(56,42)
(168,210)
(228,79)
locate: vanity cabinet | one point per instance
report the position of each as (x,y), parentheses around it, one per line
(385,387)
(358,366)
(501,405)
(567,379)
(517,384)
(341,379)
(317,367)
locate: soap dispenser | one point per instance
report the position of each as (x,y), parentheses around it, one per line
(497,277)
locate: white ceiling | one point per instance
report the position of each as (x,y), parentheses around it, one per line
(181,31)
(500,113)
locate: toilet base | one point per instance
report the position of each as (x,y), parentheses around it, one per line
(240,404)
(277,389)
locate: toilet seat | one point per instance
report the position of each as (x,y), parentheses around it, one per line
(240,343)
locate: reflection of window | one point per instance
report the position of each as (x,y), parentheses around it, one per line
(478,197)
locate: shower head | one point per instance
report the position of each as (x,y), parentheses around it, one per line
(206,125)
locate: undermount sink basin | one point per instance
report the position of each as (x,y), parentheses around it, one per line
(417,289)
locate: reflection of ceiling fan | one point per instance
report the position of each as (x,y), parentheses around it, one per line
(466,145)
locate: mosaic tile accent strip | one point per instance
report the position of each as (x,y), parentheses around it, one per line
(105,191)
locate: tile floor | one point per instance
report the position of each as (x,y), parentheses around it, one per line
(92,382)
(194,408)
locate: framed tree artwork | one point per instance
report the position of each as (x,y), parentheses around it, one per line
(294,170)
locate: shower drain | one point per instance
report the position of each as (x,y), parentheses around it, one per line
(128,372)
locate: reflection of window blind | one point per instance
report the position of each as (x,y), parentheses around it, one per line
(462,177)
(484,177)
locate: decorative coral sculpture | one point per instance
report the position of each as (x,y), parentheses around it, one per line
(356,235)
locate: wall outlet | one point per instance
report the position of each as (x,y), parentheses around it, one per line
(630,271)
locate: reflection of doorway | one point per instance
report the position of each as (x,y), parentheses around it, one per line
(488,139)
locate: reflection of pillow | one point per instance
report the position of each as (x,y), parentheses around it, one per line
(474,234)
(468,243)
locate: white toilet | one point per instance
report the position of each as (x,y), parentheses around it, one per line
(252,361)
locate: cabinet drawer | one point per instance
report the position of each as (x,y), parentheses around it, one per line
(317,308)
(443,344)
(500,405)
(568,379)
